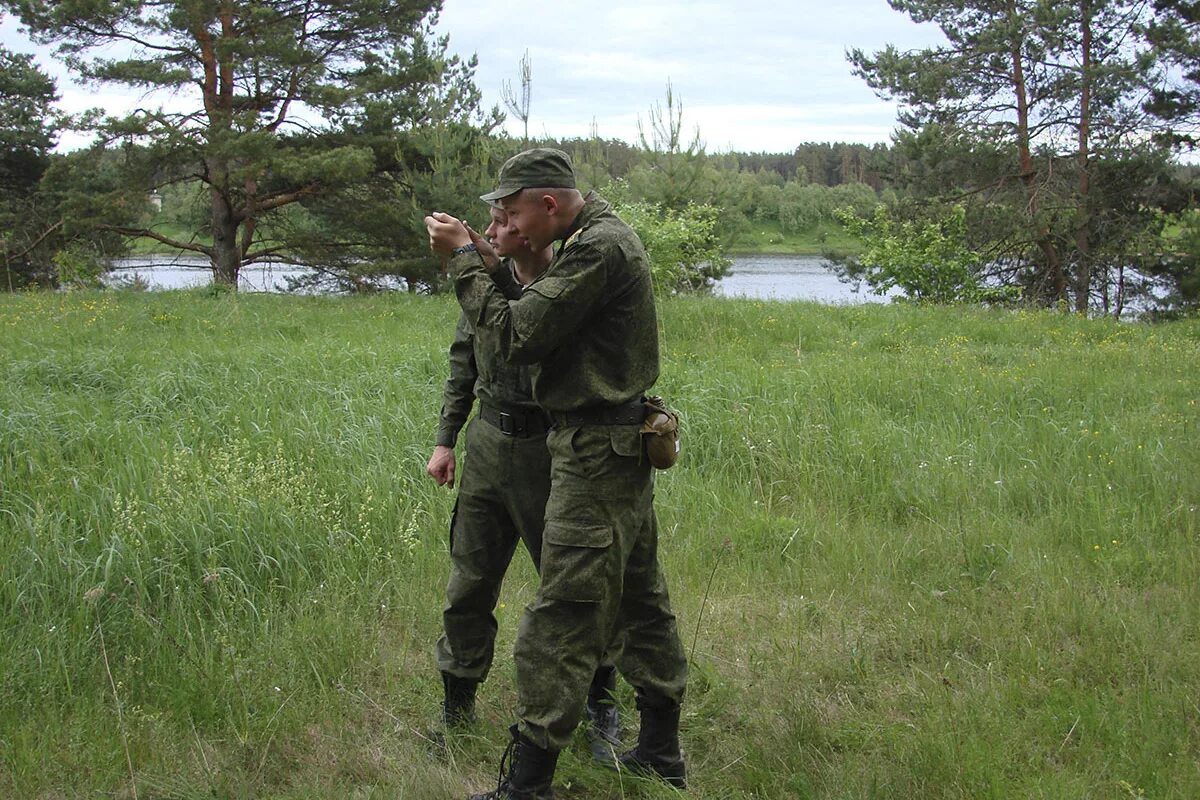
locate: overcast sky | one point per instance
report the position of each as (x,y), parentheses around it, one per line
(750,78)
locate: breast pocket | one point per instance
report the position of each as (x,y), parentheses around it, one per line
(549,288)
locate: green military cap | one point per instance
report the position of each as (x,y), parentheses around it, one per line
(539,168)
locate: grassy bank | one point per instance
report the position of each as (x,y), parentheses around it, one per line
(770,238)
(929,553)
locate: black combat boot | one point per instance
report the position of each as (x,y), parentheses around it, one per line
(458,708)
(530,769)
(657,751)
(604,725)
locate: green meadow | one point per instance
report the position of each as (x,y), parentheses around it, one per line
(914,552)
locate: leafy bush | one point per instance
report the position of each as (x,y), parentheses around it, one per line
(803,206)
(928,260)
(684,246)
(79,267)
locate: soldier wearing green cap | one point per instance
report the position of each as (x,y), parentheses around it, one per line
(588,326)
(501,498)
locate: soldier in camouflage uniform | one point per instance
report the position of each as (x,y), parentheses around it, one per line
(589,326)
(502,496)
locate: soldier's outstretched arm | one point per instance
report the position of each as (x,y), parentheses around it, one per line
(549,312)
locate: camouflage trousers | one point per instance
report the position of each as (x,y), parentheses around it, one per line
(601,587)
(502,494)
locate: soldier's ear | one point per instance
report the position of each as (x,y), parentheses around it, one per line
(550,204)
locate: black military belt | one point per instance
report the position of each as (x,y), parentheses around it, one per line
(631,413)
(515,423)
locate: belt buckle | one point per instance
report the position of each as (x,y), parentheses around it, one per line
(506,424)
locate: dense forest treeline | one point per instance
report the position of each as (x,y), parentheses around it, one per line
(820,163)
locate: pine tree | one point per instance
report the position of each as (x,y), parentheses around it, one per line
(270,102)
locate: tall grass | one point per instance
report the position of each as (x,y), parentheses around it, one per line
(937,553)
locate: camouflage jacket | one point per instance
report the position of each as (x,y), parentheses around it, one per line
(477,370)
(588,323)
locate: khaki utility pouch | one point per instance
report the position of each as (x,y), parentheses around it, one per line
(660,433)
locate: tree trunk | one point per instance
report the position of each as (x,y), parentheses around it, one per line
(1057,283)
(226,254)
(1083,265)
(1120,291)
(8,269)
(217,90)
(1106,292)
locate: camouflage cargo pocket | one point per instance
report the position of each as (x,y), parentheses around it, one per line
(575,563)
(626,440)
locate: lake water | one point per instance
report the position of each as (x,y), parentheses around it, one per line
(763,277)
(778,277)
(186,272)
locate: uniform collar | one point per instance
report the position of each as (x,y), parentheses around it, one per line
(593,206)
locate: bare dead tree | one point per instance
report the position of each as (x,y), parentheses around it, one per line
(520,106)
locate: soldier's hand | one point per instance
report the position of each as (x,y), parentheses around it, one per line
(486,252)
(446,233)
(441,466)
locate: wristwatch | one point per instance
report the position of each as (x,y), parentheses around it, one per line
(466,248)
